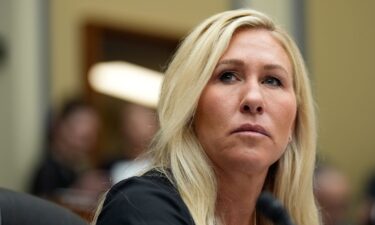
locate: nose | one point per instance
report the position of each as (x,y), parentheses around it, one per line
(252,101)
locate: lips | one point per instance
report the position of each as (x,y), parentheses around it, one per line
(251,128)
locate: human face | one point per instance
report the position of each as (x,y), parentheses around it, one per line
(80,131)
(246,112)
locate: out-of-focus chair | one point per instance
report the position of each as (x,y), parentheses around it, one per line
(18,208)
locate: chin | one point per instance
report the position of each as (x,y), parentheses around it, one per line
(249,163)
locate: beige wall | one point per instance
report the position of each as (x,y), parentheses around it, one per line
(341,46)
(281,11)
(168,17)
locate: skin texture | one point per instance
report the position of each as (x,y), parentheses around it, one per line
(245,117)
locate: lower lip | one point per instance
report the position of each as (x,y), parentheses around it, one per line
(250,133)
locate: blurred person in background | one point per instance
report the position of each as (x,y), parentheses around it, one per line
(137,127)
(332,191)
(367,208)
(67,164)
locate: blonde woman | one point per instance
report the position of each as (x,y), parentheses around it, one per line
(236,118)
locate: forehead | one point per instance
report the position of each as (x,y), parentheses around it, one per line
(247,43)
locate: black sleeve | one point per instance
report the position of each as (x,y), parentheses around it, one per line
(140,201)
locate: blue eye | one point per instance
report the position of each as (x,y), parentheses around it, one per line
(272,81)
(228,77)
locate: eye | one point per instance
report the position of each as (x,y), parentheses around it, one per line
(228,77)
(272,81)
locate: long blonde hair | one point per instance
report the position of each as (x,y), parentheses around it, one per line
(175,148)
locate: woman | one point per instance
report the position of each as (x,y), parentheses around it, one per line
(236,117)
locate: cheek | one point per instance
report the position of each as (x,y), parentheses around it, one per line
(211,116)
(206,114)
(204,118)
(284,118)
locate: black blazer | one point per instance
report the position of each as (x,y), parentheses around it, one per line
(150,199)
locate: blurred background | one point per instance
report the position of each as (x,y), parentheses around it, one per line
(48,48)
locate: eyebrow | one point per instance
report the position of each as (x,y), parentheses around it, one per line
(275,66)
(241,63)
(231,61)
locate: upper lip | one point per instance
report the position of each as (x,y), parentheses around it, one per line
(251,128)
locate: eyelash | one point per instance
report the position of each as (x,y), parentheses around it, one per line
(223,77)
(228,77)
(272,79)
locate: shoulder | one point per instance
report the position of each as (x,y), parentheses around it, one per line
(149,199)
(152,187)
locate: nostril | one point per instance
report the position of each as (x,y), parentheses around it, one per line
(259,109)
(246,108)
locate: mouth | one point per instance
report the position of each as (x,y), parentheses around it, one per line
(251,128)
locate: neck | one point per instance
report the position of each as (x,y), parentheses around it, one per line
(237,196)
